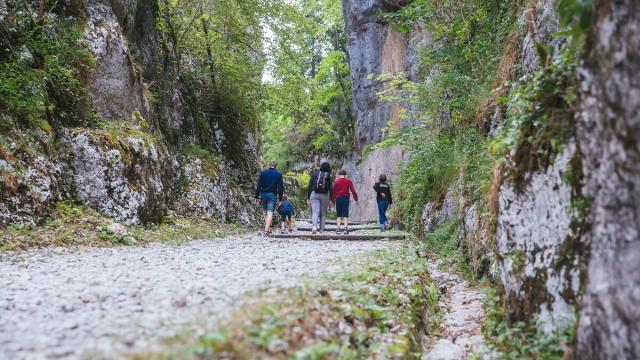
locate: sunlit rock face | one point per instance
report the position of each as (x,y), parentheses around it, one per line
(388,161)
(609,134)
(375,48)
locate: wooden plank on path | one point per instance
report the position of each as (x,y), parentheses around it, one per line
(355,237)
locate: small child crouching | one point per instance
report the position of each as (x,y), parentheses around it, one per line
(286,211)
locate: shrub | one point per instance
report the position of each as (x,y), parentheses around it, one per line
(540,116)
(42,72)
(436,164)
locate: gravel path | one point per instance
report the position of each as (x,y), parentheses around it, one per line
(461,328)
(62,303)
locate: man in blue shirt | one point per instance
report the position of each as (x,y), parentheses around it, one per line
(269,190)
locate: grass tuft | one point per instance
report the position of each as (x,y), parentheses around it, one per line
(74,224)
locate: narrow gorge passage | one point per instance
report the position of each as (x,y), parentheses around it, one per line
(507,134)
(64,303)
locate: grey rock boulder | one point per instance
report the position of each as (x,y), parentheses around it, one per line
(121,178)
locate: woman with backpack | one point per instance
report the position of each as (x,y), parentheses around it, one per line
(319,195)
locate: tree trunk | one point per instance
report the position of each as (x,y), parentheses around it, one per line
(212,62)
(41,10)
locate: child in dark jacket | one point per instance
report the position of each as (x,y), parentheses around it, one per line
(286,211)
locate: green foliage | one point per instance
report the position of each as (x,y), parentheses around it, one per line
(381,308)
(472,37)
(218,42)
(307,107)
(461,74)
(518,340)
(404,93)
(197,151)
(575,16)
(444,243)
(214,48)
(435,164)
(406,136)
(540,116)
(42,69)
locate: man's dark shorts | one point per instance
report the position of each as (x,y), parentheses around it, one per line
(342,207)
(268,200)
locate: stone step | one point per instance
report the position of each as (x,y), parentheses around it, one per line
(333,228)
(333,222)
(329,236)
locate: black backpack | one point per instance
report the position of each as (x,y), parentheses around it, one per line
(322,184)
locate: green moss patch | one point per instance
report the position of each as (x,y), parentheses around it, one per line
(540,116)
(73,224)
(210,161)
(519,340)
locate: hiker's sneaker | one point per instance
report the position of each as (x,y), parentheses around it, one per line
(338,231)
(345,231)
(313,231)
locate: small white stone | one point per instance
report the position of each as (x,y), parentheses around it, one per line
(117,229)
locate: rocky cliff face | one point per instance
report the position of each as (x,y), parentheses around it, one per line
(550,268)
(566,251)
(609,133)
(374,48)
(540,262)
(540,266)
(134,166)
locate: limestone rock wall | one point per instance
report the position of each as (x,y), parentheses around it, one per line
(374,48)
(609,134)
(131,167)
(541,249)
(122,178)
(550,268)
(29,183)
(115,86)
(540,266)
(365,174)
(555,267)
